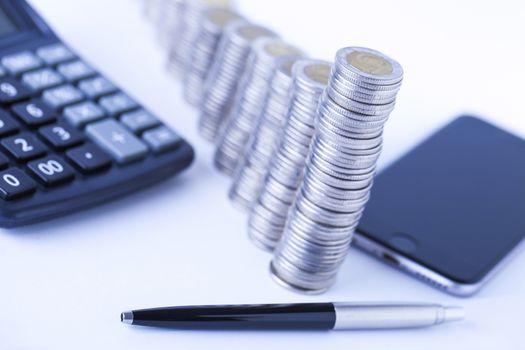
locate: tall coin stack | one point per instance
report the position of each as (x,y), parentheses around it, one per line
(171,17)
(224,75)
(248,105)
(214,21)
(339,170)
(182,43)
(249,175)
(283,177)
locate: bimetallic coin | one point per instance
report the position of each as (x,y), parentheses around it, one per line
(339,169)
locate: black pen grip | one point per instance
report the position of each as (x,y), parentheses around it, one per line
(320,316)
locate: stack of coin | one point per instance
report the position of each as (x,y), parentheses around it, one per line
(284,174)
(224,75)
(170,21)
(182,41)
(214,21)
(263,142)
(248,104)
(339,169)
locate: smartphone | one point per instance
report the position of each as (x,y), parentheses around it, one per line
(452,210)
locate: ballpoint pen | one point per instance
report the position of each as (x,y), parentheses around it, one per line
(306,316)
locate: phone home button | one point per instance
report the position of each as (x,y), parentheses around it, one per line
(403,242)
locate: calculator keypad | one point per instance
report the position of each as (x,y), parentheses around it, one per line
(34,113)
(12,91)
(15,183)
(89,158)
(61,122)
(24,146)
(51,170)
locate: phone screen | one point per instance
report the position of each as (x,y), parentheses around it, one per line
(455,204)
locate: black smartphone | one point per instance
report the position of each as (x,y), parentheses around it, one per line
(452,210)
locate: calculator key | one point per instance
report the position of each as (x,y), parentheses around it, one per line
(51,170)
(24,146)
(161,139)
(138,121)
(117,141)
(61,135)
(75,70)
(12,91)
(89,158)
(15,183)
(4,161)
(7,124)
(42,79)
(83,113)
(62,96)
(55,53)
(34,113)
(96,87)
(117,103)
(21,62)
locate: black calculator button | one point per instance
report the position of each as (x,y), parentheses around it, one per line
(21,62)
(12,91)
(61,135)
(89,158)
(62,96)
(24,146)
(75,70)
(42,79)
(54,53)
(51,170)
(15,183)
(7,124)
(34,113)
(4,161)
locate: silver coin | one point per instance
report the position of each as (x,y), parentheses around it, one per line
(222,80)
(285,171)
(339,169)
(213,24)
(250,100)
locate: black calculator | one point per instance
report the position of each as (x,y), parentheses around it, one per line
(69,138)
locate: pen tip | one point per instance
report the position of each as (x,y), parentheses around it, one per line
(126,317)
(454,313)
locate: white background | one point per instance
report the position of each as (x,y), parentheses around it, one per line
(64,283)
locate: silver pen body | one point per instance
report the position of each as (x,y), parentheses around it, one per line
(391,316)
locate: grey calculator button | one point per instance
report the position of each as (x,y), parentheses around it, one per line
(161,139)
(96,87)
(21,62)
(83,113)
(117,103)
(117,140)
(55,53)
(42,79)
(138,121)
(61,96)
(75,70)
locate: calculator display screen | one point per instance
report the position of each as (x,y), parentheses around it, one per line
(6,24)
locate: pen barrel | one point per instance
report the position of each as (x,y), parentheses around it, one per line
(319,316)
(387,316)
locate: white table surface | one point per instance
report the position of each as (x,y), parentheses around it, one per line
(64,283)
